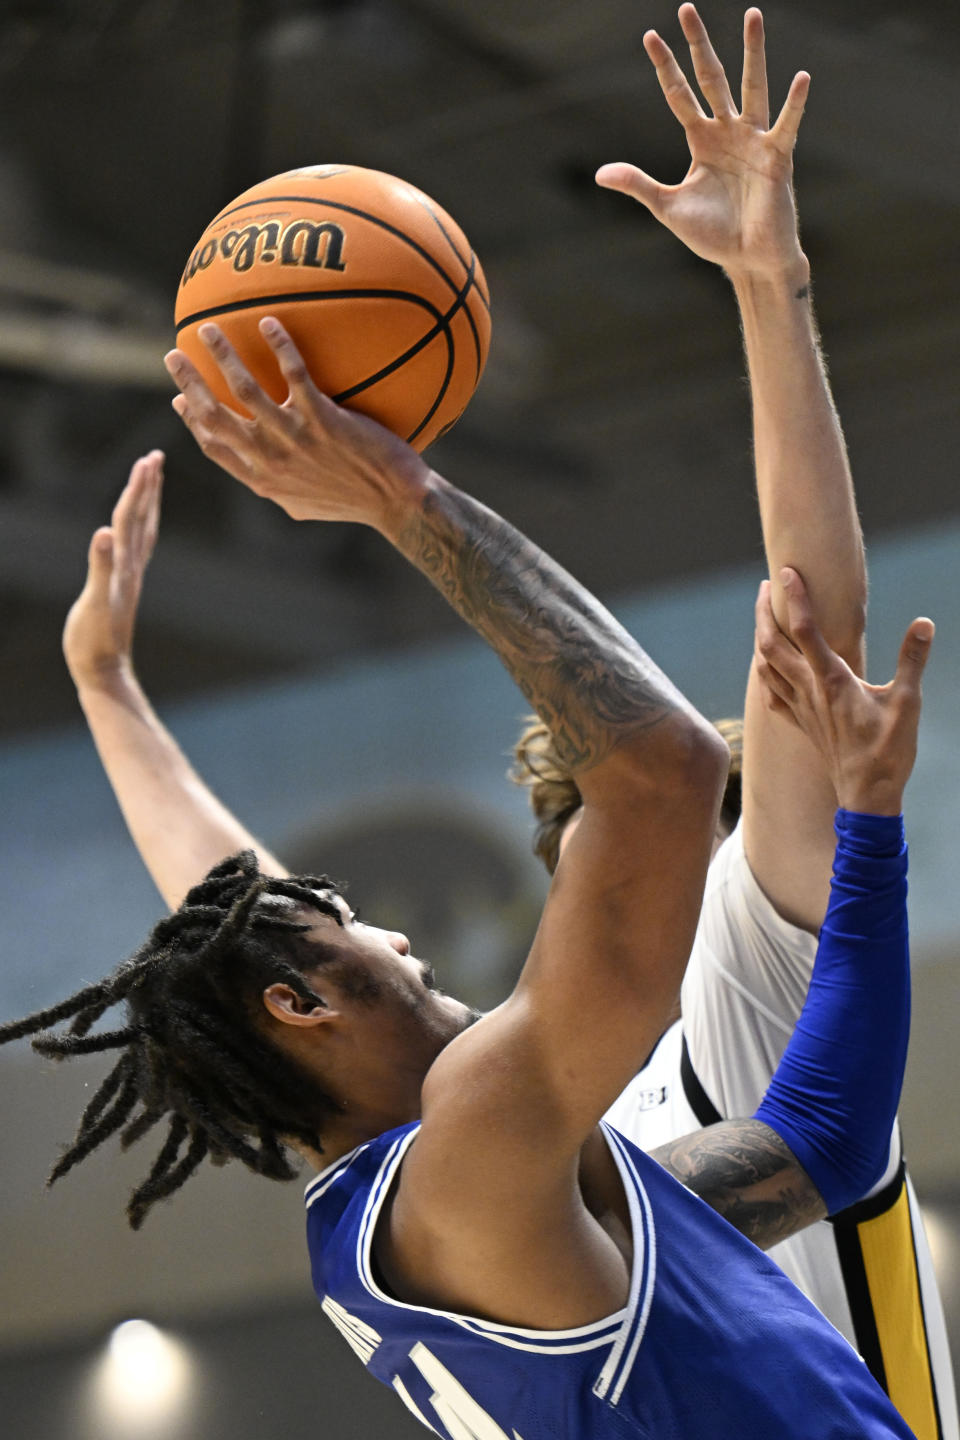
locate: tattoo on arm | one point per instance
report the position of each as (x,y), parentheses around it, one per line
(587,677)
(748,1175)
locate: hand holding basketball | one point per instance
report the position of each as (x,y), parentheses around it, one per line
(312,457)
(374,281)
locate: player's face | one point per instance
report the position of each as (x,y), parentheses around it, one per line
(378,975)
(381,1022)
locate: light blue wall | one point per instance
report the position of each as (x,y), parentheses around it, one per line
(291,758)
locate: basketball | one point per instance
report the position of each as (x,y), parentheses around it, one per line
(376,284)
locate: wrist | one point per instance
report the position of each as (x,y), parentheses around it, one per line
(402,495)
(108,675)
(785,282)
(881,798)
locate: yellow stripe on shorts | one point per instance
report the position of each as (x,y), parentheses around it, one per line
(889,1260)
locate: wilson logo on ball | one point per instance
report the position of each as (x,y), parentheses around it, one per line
(400,331)
(302,242)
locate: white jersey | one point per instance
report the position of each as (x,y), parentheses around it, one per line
(869,1270)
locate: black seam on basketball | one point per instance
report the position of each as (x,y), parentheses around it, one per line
(443,323)
(484,299)
(451,349)
(469,317)
(443,387)
(442,327)
(301,297)
(476,338)
(350,210)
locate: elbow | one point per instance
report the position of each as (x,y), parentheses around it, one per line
(848,637)
(841,620)
(702,757)
(856,1180)
(688,760)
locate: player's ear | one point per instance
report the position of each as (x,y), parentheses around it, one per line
(285,1005)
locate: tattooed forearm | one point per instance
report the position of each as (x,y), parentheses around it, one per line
(588,679)
(749,1175)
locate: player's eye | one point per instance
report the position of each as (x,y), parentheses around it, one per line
(355,917)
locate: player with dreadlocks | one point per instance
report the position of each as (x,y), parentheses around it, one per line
(492,1248)
(262,1017)
(191,1048)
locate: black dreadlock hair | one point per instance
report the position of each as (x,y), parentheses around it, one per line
(192,1049)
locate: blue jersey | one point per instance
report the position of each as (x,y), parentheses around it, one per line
(713,1342)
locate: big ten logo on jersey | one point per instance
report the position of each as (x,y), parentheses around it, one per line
(650,1099)
(318,245)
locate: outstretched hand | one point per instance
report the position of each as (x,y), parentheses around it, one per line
(98,634)
(312,457)
(866,734)
(735,205)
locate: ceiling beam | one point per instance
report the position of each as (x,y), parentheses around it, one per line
(68,346)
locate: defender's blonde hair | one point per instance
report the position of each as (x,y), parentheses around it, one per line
(555,796)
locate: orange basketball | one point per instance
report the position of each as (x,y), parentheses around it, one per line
(377,285)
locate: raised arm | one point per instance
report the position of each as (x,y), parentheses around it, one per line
(179,826)
(735,207)
(820,1137)
(508,1104)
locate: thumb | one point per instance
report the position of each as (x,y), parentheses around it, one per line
(630,181)
(914,652)
(100,560)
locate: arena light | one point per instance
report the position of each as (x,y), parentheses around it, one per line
(144,1378)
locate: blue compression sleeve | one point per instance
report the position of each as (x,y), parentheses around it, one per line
(834,1095)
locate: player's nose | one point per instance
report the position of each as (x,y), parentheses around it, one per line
(399,942)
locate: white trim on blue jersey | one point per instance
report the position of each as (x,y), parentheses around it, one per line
(712,1340)
(624,1327)
(643,1277)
